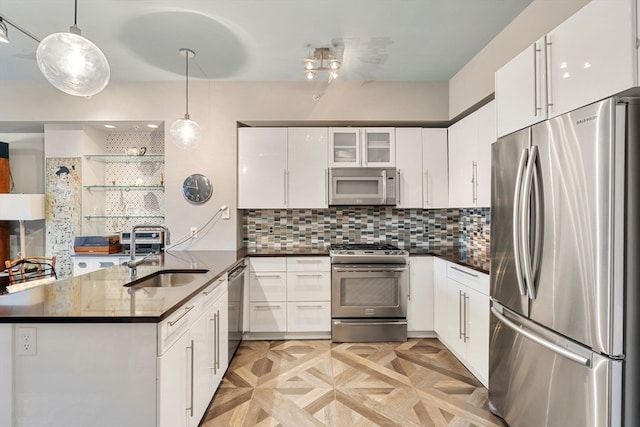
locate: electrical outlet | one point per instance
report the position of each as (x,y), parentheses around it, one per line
(26,341)
(194,232)
(225,213)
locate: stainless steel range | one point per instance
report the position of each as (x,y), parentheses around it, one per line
(369,284)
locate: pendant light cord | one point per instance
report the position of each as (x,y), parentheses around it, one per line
(186,58)
(75,13)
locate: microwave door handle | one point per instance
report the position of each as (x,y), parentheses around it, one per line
(384,187)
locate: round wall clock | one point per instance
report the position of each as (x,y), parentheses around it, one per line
(197,188)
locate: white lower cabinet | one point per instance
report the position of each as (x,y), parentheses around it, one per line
(192,357)
(420,299)
(290,294)
(462,315)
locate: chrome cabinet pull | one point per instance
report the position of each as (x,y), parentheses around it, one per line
(426,188)
(326,186)
(285,186)
(308,275)
(266,307)
(186,310)
(466,320)
(460,314)
(536,51)
(217,339)
(547,60)
(302,307)
(190,408)
(474,180)
(462,271)
(268,276)
(214,319)
(399,187)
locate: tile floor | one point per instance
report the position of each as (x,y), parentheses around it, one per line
(320,383)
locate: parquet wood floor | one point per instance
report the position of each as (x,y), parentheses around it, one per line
(319,383)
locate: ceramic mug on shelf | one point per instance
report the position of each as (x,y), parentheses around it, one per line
(135,151)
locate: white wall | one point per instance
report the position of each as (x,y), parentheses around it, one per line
(475,80)
(26,160)
(217,107)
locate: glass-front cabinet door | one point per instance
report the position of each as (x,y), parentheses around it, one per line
(379,147)
(344,147)
(369,147)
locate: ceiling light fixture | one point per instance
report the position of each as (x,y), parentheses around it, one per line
(322,59)
(186,132)
(4,31)
(72,63)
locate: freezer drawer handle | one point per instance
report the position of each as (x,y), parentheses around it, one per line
(541,341)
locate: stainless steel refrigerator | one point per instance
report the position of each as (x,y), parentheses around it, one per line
(564,270)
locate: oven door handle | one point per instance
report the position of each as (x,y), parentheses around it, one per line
(338,322)
(369,270)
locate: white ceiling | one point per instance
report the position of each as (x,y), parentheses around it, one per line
(263,39)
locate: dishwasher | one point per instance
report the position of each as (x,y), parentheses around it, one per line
(236,292)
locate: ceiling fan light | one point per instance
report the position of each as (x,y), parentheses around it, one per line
(4,32)
(185,133)
(334,64)
(73,64)
(310,74)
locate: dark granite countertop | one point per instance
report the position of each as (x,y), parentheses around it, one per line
(456,254)
(100,297)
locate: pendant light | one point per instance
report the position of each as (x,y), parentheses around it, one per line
(72,63)
(186,132)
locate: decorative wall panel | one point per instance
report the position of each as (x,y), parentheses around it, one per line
(62,210)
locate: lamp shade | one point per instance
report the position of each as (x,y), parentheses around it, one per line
(73,64)
(26,207)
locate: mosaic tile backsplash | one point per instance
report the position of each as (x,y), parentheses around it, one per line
(405,228)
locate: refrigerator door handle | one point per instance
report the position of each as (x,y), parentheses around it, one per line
(525,222)
(516,221)
(540,340)
(538,224)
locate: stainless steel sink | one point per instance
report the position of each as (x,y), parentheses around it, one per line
(167,279)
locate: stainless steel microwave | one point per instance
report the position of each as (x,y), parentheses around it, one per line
(362,186)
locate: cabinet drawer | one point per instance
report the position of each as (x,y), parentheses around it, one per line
(268,317)
(268,286)
(308,286)
(214,290)
(308,264)
(469,277)
(309,316)
(268,264)
(170,329)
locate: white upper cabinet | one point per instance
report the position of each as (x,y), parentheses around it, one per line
(590,56)
(520,89)
(262,168)
(308,168)
(368,147)
(435,179)
(421,159)
(282,168)
(470,142)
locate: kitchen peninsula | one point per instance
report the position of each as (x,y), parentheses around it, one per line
(90,351)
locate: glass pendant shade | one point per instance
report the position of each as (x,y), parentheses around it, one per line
(185,133)
(73,63)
